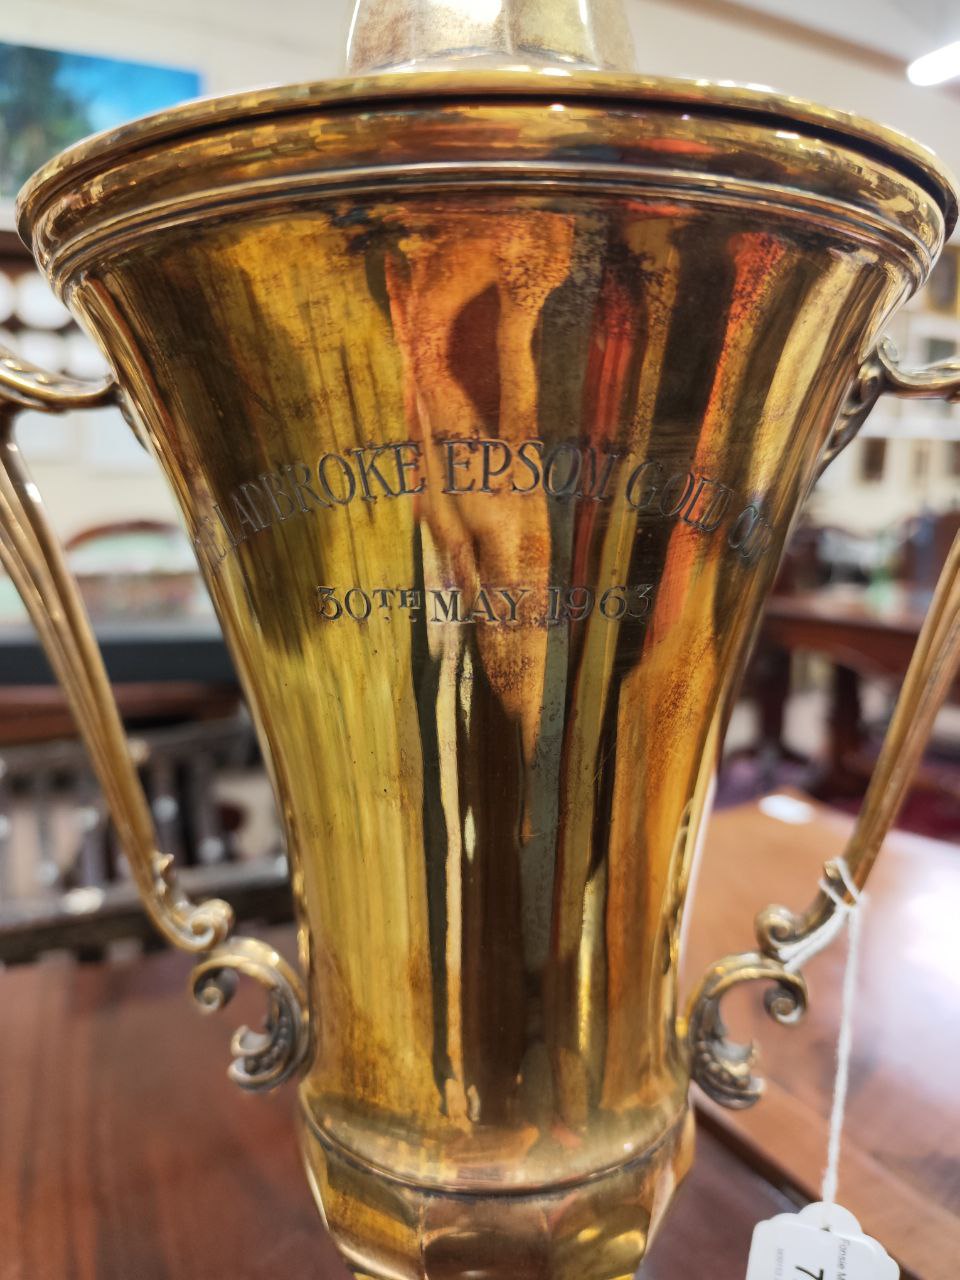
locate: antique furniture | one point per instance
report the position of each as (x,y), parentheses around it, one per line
(490,382)
(207,1186)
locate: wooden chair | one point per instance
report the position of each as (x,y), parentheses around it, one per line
(63,879)
(925,541)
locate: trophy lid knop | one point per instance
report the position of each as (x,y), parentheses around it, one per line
(393,35)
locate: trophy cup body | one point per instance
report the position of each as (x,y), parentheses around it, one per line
(489,402)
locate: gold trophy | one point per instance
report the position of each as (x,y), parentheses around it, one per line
(490,382)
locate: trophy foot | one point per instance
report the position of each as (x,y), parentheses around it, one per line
(597,1229)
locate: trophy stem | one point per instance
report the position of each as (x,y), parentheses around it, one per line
(393,34)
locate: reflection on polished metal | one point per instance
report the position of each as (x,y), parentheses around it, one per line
(389,34)
(490,393)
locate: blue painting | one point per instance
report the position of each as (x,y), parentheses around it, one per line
(49,99)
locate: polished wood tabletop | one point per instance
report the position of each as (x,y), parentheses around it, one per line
(126,1155)
(900,1169)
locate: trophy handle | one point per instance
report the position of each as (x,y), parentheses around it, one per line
(881,373)
(31,555)
(786,939)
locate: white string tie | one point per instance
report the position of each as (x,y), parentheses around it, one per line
(851,914)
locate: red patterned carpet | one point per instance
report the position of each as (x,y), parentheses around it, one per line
(927,811)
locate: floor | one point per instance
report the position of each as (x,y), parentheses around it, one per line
(932,812)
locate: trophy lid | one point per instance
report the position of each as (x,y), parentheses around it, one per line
(418,50)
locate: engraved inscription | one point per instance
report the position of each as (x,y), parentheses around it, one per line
(487,605)
(466,468)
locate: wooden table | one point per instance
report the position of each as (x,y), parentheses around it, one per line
(162,670)
(900,1172)
(125,1155)
(863,631)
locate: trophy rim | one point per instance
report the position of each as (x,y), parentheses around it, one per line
(752,103)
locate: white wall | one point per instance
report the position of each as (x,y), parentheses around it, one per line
(235,44)
(702,40)
(843,498)
(240,43)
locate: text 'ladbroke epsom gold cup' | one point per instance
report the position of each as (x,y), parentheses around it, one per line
(490,382)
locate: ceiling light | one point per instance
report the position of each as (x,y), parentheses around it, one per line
(934,68)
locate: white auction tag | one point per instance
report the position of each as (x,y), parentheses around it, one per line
(818,1243)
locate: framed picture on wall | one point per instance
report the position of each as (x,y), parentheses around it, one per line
(51,98)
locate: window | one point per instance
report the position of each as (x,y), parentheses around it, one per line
(942,287)
(940,349)
(921,461)
(873,458)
